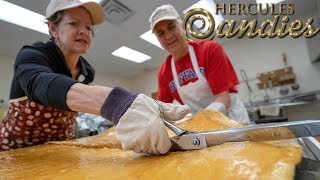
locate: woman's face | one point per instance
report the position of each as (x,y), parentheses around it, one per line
(73,34)
(170,35)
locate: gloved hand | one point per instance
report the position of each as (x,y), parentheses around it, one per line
(218,106)
(138,123)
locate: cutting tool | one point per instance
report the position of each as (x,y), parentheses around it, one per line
(188,140)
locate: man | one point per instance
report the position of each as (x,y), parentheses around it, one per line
(196,73)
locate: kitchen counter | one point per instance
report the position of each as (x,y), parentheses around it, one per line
(299,99)
(296,107)
(309,167)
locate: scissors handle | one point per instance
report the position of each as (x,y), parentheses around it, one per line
(178,131)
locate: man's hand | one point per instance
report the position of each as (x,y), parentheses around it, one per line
(138,123)
(217,106)
(221,103)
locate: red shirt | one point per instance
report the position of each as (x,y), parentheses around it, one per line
(213,64)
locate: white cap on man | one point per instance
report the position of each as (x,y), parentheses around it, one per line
(164,12)
(95,10)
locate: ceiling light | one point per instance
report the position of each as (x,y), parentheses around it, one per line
(130,54)
(265,2)
(151,38)
(98,1)
(210,6)
(22,17)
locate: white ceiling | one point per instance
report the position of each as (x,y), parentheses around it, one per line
(110,37)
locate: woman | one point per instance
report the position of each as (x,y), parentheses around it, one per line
(196,73)
(50,85)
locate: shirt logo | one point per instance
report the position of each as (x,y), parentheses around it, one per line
(185,76)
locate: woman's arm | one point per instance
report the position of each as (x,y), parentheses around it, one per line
(86,98)
(138,121)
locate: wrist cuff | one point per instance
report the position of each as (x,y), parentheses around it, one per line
(116,104)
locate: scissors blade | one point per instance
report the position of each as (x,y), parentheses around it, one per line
(260,132)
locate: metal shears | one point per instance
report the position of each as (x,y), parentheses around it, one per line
(189,140)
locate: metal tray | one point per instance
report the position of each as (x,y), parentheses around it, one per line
(309,167)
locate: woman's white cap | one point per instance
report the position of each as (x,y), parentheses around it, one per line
(93,7)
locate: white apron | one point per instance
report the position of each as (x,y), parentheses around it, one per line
(198,94)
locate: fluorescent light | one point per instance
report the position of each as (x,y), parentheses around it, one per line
(22,17)
(151,38)
(264,2)
(130,54)
(97,1)
(210,6)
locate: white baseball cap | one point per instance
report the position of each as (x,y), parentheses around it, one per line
(164,12)
(93,7)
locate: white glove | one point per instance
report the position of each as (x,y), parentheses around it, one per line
(142,129)
(217,106)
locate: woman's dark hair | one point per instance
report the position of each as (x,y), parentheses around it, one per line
(55,19)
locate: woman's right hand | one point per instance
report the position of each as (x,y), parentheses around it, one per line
(139,125)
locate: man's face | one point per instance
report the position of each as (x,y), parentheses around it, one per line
(171,35)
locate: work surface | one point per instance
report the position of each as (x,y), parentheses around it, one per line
(99,158)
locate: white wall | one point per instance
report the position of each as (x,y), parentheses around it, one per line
(6,74)
(146,83)
(111,81)
(263,55)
